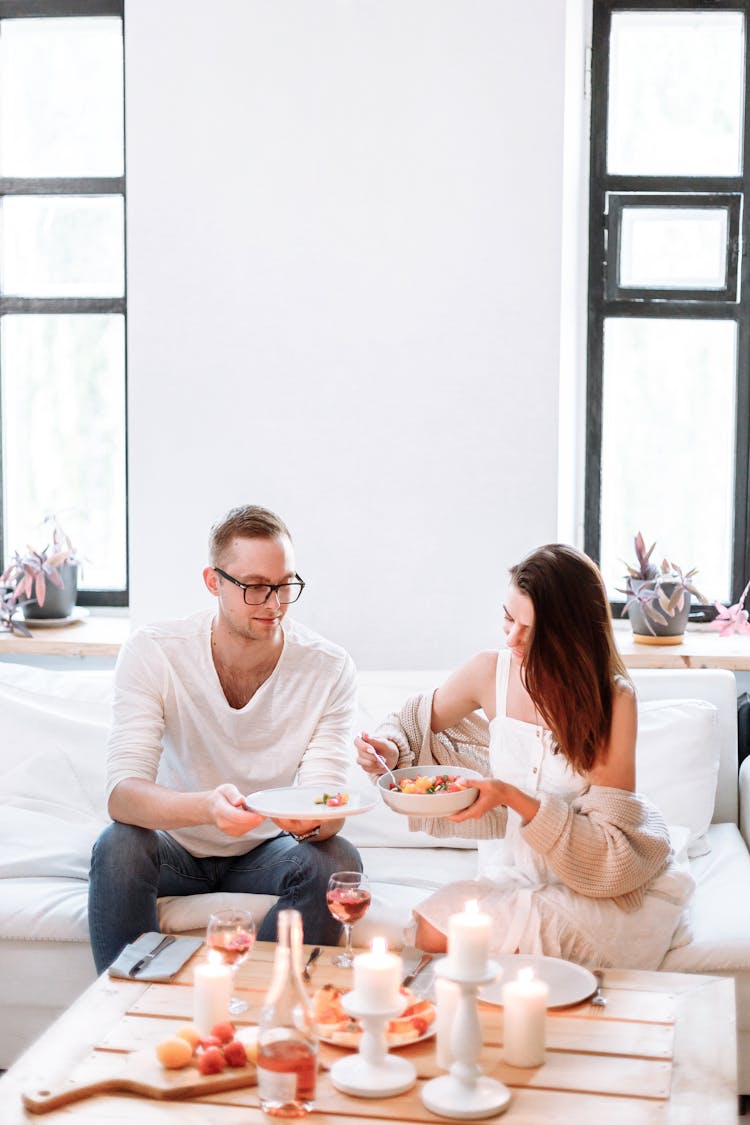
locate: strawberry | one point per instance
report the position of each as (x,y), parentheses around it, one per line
(235,1054)
(224,1032)
(211,1061)
(210,1041)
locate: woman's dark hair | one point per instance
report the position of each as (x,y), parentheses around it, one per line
(571,666)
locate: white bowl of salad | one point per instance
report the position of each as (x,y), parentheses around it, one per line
(429,790)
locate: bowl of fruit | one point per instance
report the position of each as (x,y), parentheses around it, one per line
(429,790)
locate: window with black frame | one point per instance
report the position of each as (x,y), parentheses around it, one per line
(668,393)
(62,285)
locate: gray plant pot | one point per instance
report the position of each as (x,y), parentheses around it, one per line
(654,632)
(59,601)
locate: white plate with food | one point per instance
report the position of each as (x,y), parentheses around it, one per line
(351,1040)
(568,983)
(336,1027)
(429,790)
(310,802)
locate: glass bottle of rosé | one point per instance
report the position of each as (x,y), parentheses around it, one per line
(287,1035)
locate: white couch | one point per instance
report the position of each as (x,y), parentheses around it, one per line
(53,727)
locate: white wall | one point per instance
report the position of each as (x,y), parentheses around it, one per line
(344,264)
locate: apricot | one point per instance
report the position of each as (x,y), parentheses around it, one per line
(174,1053)
(248,1037)
(190,1033)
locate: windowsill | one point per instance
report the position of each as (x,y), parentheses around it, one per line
(100,634)
(702,648)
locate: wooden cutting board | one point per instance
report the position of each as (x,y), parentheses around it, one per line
(138,1073)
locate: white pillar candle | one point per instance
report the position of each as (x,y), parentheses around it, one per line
(447,994)
(524,1019)
(377,978)
(469,941)
(212,991)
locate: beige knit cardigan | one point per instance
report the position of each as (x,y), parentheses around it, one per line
(607,843)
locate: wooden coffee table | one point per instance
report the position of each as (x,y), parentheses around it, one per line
(662,1051)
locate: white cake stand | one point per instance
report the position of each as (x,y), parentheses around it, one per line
(465,1093)
(372,1072)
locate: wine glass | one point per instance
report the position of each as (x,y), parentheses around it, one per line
(348,897)
(232,934)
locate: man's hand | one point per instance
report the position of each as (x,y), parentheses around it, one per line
(299,827)
(229,813)
(366,759)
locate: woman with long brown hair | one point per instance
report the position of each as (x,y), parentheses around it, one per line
(572,861)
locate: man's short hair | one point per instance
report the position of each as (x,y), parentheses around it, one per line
(246,522)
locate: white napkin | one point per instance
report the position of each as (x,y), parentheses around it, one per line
(164,966)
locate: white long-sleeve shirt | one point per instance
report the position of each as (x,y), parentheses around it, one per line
(173,725)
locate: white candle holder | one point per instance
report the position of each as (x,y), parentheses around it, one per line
(372,1072)
(464,1092)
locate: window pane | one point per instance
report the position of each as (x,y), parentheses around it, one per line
(676,83)
(63,246)
(679,248)
(61,97)
(63,416)
(668,446)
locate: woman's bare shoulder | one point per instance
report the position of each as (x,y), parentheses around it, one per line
(471,686)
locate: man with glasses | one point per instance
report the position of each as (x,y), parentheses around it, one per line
(207,710)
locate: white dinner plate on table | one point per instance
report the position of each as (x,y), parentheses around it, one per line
(391,1046)
(568,983)
(297,802)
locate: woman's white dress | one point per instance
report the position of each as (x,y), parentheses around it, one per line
(532,910)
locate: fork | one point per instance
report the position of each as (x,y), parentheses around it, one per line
(310,962)
(383,763)
(597,1000)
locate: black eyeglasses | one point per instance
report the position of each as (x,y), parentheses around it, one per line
(258,594)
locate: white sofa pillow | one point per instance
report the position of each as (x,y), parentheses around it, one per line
(677,763)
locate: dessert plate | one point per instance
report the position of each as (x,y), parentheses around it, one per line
(299,802)
(568,983)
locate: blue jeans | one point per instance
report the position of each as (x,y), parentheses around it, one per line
(131,867)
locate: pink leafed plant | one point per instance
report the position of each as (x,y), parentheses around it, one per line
(732,619)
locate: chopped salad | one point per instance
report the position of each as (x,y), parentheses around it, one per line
(442,783)
(333,800)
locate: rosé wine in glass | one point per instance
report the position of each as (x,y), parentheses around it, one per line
(231,933)
(348,898)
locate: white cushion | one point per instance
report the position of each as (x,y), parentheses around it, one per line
(720,909)
(677,763)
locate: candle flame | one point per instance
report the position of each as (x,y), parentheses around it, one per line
(378,945)
(471,907)
(526,974)
(213,957)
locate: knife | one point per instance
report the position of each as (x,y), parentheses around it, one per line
(148,957)
(424,961)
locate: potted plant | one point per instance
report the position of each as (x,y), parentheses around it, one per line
(44,583)
(658,598)
(9,607)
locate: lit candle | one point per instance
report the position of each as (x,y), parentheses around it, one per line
(212,991)
(377,977)
(469,941)
(447,995)
(524,1019)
